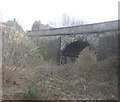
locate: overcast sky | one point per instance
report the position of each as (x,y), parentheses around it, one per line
(27,11)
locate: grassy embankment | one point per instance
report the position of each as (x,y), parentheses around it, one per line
(27,75)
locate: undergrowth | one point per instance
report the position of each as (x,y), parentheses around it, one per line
(31,90)
(25,67)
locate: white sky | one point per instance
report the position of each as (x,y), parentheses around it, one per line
(27,11)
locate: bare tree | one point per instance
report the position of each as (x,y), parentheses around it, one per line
(67,21)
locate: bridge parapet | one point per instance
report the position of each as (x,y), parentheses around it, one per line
(82,29)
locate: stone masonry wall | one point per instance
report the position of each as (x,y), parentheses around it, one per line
(107,45)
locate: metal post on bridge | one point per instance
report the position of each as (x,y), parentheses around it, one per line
(59,51)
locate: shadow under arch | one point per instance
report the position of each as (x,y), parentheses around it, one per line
(73,49)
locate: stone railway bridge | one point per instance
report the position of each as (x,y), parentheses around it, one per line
(101,37)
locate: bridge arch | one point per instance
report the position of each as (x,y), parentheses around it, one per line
(73,49)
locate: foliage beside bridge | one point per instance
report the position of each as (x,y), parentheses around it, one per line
(47,47)
(17,48)
(17,52)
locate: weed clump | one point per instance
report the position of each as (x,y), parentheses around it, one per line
(31,90)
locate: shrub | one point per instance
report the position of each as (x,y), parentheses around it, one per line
(17,51)
(17,48)
(31,91)
(47,47)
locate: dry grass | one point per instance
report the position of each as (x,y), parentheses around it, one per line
(96,81)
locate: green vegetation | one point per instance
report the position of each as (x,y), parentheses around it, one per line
(31,90)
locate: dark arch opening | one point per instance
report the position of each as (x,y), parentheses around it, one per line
(73,49)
